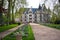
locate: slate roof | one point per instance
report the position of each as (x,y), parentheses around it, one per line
(33,9)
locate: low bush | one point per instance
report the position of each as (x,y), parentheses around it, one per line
(57,26)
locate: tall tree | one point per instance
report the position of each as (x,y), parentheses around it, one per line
(9,11)
(13,5)
(1,12)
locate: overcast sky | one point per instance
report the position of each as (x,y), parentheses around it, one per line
(35,3)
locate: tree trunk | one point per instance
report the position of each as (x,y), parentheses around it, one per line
(9,11)
(13,4)
(1,13)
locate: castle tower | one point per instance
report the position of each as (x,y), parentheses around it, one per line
(40,7)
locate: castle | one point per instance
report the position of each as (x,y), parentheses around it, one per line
(35,15)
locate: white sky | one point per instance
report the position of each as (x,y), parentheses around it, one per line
(35,3)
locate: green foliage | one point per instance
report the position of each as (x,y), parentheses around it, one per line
(20,12)
(10,37)
(4,28)
(53,19)
(1,18)
(11,6)
(30,34)
(23,2)
(57,26)
(26,28)
(5,19)
(57,21)
(56,16)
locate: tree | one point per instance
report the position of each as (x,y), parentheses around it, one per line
(13,4)
(9,11)
(53,19)
(22,2)
(21,9)
(1,12)
(57,10)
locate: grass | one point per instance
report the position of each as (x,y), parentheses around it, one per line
(4,28)
(57,26)
(30,33)
(27,28)
(10,37)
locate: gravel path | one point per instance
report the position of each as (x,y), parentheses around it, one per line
(45,33)
(5,33)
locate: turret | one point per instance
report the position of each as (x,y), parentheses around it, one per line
(44,7)
(40,7)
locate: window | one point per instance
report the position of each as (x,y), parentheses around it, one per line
(30,18)
(25,19)
(35,16)
(35,20)
(30,15)
(25,16)
(30,21)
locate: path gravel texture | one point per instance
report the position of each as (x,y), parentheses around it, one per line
(45,33)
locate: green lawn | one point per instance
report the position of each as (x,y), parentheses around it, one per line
(30,33)
(57,26)
(10,37)
(4,28)
(27,28)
